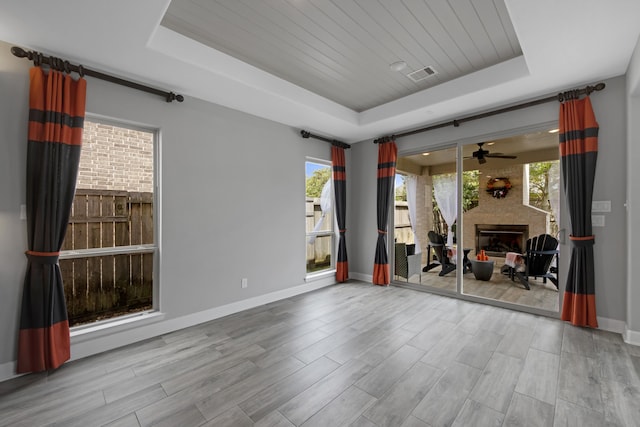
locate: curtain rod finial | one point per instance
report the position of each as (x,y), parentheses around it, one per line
(19,52)
(174,97)
(305,134)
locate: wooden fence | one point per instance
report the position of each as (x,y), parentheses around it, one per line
(99,287)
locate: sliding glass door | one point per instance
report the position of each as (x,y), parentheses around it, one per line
(470,222)
(425,220)
(512,197)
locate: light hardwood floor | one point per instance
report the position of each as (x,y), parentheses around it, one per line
(352,354)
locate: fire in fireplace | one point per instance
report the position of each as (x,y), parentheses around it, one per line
(498,239)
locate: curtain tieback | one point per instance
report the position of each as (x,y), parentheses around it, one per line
(342,231)
(382,232)
(582,241)
(43,257)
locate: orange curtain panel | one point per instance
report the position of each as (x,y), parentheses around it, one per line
(387,157)
(56,119)
(579,153)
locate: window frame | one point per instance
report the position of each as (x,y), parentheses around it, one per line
(153,248)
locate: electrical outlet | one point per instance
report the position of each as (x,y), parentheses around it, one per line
(244,283)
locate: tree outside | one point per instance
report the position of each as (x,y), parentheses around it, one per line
(316,182)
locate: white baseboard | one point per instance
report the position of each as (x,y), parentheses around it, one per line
(631,337)
(104,340)
(611,325)
(8,370)
(362,277)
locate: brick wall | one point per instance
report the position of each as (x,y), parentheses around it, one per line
(116,158)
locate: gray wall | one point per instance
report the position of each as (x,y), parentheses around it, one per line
(633,193)
(216,165)
(610,110)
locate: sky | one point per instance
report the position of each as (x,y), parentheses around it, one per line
(312,167)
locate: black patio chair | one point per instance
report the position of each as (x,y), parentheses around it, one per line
(437,244)
(539,254)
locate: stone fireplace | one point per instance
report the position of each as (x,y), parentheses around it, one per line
(503,224)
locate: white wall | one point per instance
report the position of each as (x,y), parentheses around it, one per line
(232,205)
(609,106)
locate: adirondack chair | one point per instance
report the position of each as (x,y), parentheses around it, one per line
(437,243)
(539,254)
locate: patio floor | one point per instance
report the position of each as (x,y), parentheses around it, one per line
(500,287)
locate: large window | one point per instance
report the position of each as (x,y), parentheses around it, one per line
(107,258)
(319,217)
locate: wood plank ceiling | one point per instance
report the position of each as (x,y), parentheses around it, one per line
(342,49)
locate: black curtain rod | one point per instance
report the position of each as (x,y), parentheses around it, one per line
(335,142)
(62,65)
(560,97)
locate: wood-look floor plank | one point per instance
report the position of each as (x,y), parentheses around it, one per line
(378,353)
(358,345)
(114,410)
(197,374)
(52,410)
(579,341)
(448,349)
(539,376)
(615,362)
(432,336)
(362,422)
(233,417)
(327,344)
(441,405)
(547,335)
(572,415)
(621,403)
(129,420)
(516,341)
(267,400)
(383,376)
(412,421)
(526,411)
(579,381)
(182,415)
(296,345)
(301,407)
(187,397)
(274,419)
(497,382)
(476,414)
(479,350)
(343,410)
(396,405)
(217,403)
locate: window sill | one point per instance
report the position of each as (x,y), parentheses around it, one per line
(319,276)
(107,327)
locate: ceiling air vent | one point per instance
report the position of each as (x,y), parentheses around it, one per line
(422,74)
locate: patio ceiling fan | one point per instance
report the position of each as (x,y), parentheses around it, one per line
(482,155)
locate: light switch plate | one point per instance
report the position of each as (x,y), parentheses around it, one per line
(601,206)
(597,220)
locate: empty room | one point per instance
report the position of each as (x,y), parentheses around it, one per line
(319,212)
